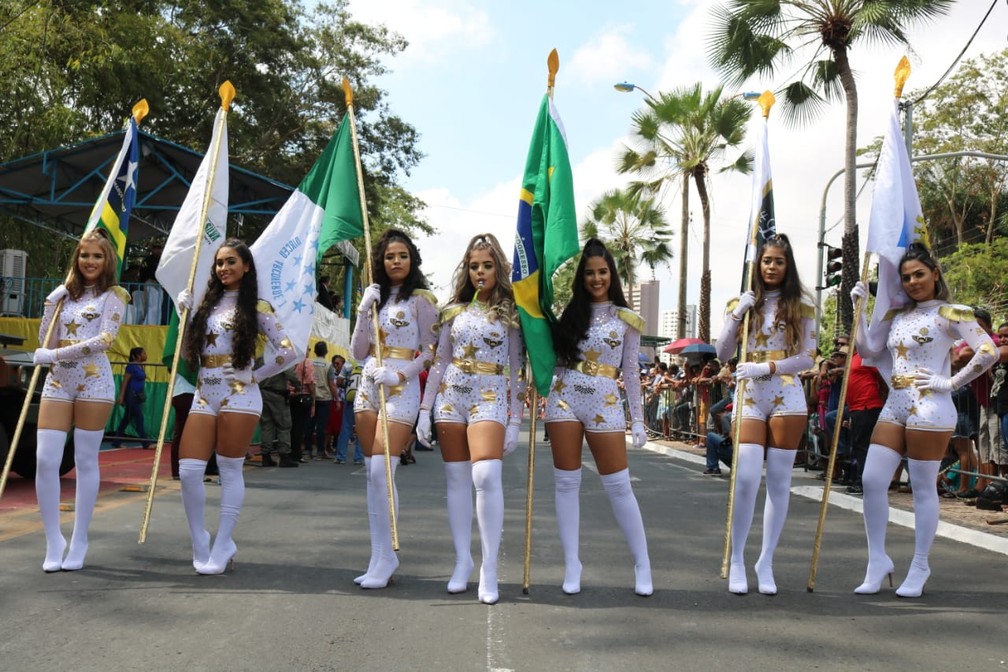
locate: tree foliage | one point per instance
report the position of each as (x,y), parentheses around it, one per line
(977,275)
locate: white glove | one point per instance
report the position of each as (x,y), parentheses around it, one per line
(385,375)
(183,301)
(929,380)
(745,302)
(371,296)
(859,290)
(44,356)
(231,374)
(748,370)
(638,433)
(57,294)
(423,428)
(511,438)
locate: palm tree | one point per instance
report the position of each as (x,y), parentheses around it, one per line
(763,36)
(634,229)
(682,133)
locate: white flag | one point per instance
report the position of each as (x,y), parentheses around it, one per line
(762,221)
(896,218)
(177,257)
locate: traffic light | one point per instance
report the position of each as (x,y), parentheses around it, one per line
(834,266)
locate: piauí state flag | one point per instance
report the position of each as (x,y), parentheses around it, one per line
(111,211)
(546,237)
(324,210)
(761,218)
(896,219)
(177,257)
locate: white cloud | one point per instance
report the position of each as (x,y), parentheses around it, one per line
(433,29)
(607,57)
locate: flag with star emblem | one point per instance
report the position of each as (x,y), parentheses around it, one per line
(324,210)
(111,211)
(210,186)
(546,237)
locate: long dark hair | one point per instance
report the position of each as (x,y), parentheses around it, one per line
(415,279)
(246,327)
(919,252)
(107,279)
(789,307)
(573,323)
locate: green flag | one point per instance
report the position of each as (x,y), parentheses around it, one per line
(332,186)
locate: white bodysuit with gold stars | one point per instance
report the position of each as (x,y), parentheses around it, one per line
(86,328)
(213,393)
(780,394)
(467,383)
(407,332)
(921,337)
(588,392)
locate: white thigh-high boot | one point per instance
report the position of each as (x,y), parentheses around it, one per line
(880,465)
(371,521)
(486,476)
(627,513)
(567,494)
(193,490)
(388,561)
(779,465)
(923,476)
(48,456)
(459,482)
(232,496)
(748,461)
(87,443)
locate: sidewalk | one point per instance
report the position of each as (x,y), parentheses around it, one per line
(958,521)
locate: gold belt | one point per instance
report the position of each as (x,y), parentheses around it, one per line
(215,361)
(392,352)
(64,342)
(595,369)
(474,366)
(760,356)
(901,382)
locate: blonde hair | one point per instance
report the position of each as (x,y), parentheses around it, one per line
(501,300)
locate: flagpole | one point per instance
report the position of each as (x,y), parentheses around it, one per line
(382,415)
(227,94)
(552,67)
(138,113)
(766,101)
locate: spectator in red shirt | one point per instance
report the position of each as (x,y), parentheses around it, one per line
(863,405)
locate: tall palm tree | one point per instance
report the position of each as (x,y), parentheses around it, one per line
(683,133)
(764,37)
(634,229)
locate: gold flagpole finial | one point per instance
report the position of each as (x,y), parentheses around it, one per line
(766,101)
(901,75)
(227,94)
(553,64)
(140,110)
(347,92)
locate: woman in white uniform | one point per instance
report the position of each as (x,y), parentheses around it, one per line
(78,391)
(771,404)
(407,319)
(477,419)
(918,417)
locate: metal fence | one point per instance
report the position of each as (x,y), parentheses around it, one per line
(24,297)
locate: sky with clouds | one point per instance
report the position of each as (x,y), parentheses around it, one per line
(474,74)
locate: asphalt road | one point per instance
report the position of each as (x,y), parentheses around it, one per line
(290,604)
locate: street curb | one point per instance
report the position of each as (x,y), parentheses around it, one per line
(897,516)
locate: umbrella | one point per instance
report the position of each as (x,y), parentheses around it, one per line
(698,352)
(676,346)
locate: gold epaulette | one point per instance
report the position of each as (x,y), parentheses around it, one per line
(631,318)
(957,313)
(731,305)
(427,294)
(123,295)
(891,313)
(808,311)
(264,307)
(452,311)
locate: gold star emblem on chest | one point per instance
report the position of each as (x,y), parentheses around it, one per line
(90,370)
(592,355)
(761,339)
(559,386)
(442,388)
(902,350)
(71,327)
(470,350)
(611,399)
(211,338)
